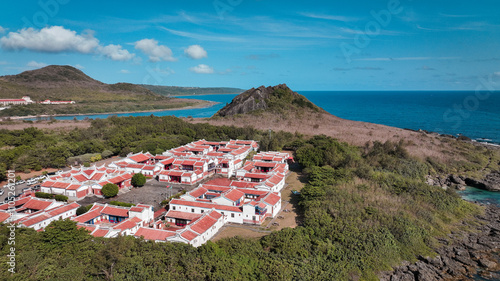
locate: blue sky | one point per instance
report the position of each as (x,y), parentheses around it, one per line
(309,45)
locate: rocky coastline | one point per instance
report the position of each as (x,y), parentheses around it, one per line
(460,256)
(491,182)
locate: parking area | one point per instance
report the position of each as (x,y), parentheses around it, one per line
(152,193)
(19,188)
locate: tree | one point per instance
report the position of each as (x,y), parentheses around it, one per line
(110,190)
(81,210)
(138,180)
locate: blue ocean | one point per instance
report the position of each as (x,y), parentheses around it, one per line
(475,115)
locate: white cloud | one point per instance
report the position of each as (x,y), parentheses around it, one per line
(79,66)
(155,52)
(124,71)
(116,52)
(57,39)
(196,52)
(2,30)
(497,73)
(34,64)
(328,17)
(3,63)
(50,39)
(202,69)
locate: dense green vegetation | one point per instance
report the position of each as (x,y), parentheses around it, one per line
(362,209)
(184,91)
(110,190)
(138,180)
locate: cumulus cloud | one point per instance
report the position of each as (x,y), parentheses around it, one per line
(50,39)
(57,39)
(79,66)
(34,64)
(116,52)
(202,69)
(155,52)
(196,52)
(2,30)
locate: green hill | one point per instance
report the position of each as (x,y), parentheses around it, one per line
(91,96)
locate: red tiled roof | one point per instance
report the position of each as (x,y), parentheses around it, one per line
(136,209)
(115,211)
(47,183)
(4,216)
(265,164)
(80,178)
(140,157)
(203,224)
(88,172)
(243,184)
(175,173)
(182,215)
(204,205)
(36,204)
(62,209)
(154,234)
(128,223)
(61,185)
(16,203)
(100,232)
(35,220)
(198,192)
(73,187)
(234,195)
(272,198)
(97,176)
(167,161)
(215,215)
(256,176)
(219,181)
(189,235)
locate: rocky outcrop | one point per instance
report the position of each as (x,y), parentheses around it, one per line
(460,256)
(491,182)
(266,98)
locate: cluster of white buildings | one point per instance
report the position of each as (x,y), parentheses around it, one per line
(27,100)
(77,183)
(247,193)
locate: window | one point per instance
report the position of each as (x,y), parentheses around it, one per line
(202,211)
(232,215)
(192,210)
(173,208)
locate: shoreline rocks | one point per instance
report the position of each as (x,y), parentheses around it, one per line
(491,182)
(460,256)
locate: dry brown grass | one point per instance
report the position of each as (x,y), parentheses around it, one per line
(233,231)
(59,125)
(356,133)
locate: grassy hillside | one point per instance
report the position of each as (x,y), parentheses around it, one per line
(184,91)
(91,96)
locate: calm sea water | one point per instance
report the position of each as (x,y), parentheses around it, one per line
(474,115)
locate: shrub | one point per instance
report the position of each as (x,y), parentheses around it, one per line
(110,190)
(83,209)
(138,180)
(123,204)
(106,154)
(60,197)
(43,195)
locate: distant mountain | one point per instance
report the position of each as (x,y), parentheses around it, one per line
(276,99)
(184,91)
(57,82)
